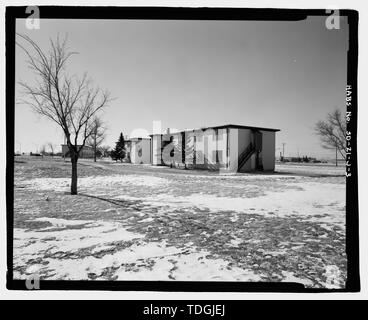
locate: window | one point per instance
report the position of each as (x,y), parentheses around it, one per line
(217,135)
(219,156)
(199,157)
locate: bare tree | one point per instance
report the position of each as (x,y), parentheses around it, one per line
(69,101)
(51,148)
(97,136)
(105,150)
(332,132)
(43,150)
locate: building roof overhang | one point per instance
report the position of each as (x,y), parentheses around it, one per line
(230,126)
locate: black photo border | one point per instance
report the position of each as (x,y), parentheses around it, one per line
(174,13)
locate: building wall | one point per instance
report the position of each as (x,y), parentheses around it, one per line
(156,149)
(64,150)
(222,147)
(128,150)
(141,151)
(233,150)
(189,148)
(241,138)
(172,149)
(201,148)
(268,150)
(245,137)
(208,143)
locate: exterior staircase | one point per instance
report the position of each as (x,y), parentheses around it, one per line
(245,155)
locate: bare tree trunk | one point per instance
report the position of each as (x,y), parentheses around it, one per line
(74,185)
(336,156)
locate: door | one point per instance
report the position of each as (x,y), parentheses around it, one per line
(258,141)
(258,136)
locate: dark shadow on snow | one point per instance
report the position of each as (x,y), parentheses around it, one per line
(127,204)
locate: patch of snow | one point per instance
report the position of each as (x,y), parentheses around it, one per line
(191,267)
(62,223)
(149,261)
(334,279)
(234,218)
(289,277)
(95,233)
(310,169)
(298,203)
(146,220)
(236,242)
(114,181)
(275,253)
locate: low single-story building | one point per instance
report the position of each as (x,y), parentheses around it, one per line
(140,150)
(231,148)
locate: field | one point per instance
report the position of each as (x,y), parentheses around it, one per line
(155,223)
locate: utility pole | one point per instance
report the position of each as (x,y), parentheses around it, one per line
(283,151)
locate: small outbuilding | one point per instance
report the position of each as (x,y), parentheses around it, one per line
(140,150)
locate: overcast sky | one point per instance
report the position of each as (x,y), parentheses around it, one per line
(284,75)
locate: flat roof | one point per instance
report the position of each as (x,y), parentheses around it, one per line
(232,126)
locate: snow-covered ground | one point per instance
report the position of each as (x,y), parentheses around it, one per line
(311,169)
(143,223)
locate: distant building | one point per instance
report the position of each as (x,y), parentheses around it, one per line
(232,148)
(298,159)
(86,152)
